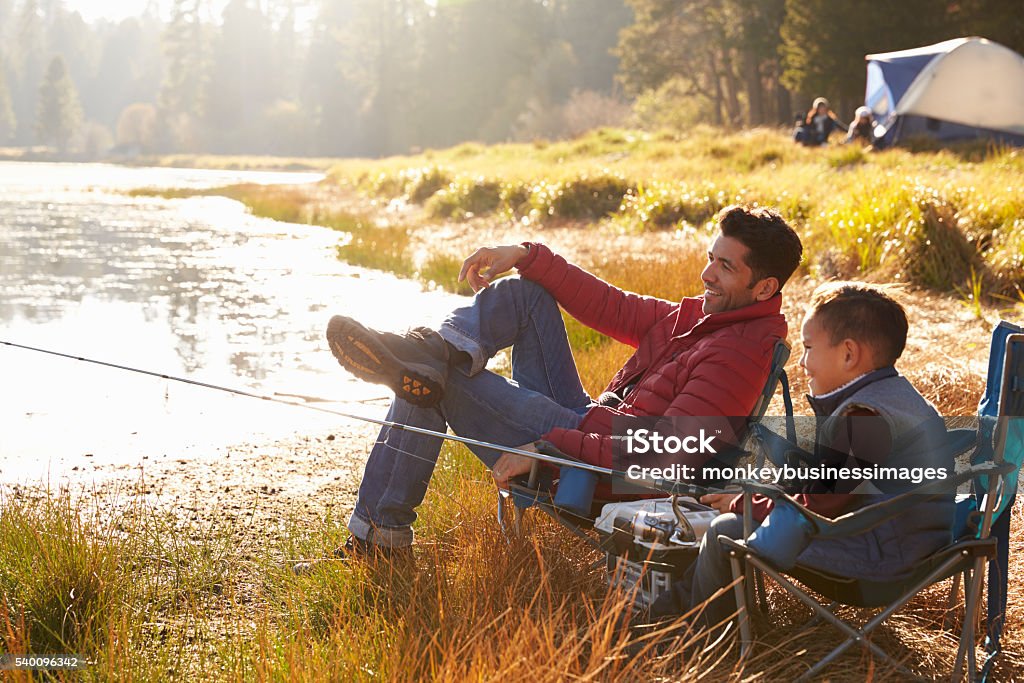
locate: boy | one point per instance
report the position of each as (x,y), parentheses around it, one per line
(867,415)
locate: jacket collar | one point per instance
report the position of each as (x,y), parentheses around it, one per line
(714,321)
(827,404)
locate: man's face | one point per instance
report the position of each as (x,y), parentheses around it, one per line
(726,277)
(823,361)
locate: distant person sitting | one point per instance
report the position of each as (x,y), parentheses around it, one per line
(863,127)
(801,131)
(817,125)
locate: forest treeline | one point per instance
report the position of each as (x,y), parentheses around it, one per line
(376,77)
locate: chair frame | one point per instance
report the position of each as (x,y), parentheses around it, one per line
(964,559)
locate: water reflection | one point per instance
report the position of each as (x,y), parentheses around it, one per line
(192,286)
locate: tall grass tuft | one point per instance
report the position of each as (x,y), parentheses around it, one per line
(442,269)
(929,249)
(61,575)
(384,247)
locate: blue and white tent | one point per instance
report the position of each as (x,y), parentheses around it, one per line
(960,89)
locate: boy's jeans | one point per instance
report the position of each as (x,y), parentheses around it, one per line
(545,392)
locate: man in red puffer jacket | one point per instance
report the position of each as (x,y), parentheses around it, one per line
(702,356)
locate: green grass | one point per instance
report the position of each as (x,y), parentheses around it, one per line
(859,211)
(126,585)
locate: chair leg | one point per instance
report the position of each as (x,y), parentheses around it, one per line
(853,635)
(972,589)
(505,503)
(750,585)
(762,594)
(815,618)
(742,611)
(951,602)
(517,520)
(502,521)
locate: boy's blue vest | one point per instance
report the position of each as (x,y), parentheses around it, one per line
(894,548)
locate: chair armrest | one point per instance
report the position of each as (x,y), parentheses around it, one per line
(872,515)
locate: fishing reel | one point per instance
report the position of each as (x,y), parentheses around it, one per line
(659,528)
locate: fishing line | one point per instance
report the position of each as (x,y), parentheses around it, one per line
(665,486)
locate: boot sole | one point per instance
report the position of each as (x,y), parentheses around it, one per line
(357,350)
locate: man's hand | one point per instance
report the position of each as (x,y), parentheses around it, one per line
(719,501)
(511,465)
(488,263)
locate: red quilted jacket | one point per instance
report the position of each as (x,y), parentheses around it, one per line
(689,364)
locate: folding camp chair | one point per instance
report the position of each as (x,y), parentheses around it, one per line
(535,491)
(997,448)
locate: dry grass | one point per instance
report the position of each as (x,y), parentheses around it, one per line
(483,609)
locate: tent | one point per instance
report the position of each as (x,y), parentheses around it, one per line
(965,88)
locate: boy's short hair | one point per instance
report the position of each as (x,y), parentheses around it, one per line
(864,313)
(775,248)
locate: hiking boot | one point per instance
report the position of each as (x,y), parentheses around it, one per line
(414,365)
(356,549)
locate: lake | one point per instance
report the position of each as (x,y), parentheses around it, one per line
(192,287)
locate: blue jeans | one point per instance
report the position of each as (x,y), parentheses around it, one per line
(545,392)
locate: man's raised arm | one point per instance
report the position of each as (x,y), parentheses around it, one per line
(622,315)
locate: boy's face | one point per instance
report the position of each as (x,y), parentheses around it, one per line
(828,367)
(727,277)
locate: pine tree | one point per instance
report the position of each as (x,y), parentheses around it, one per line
(181,92)
(724,52)
(27,61)
(59,114)
(8,122)
(824,42)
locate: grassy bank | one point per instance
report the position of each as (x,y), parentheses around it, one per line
(146,595)
(233,163)
(635,208)
(943,219)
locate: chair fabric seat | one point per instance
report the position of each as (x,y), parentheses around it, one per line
(869,593)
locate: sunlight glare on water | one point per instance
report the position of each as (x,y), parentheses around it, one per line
(193,287)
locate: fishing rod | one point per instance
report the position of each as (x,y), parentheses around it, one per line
(560,460)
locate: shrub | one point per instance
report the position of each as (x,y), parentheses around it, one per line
(930,249)
(424,182)
(515,199)
(673,106)
(442,270)
(658,205)
(585,197)
(465,198)
(382,247)
(846,156)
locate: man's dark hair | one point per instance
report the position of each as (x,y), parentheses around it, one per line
(867,314)
(775,248)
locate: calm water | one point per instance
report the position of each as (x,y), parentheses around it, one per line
(192,287)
